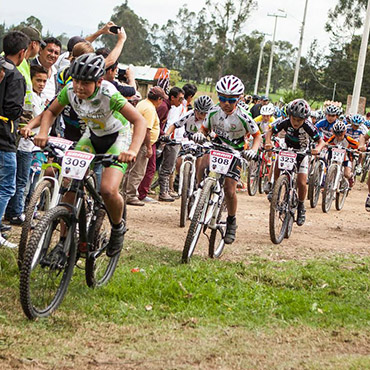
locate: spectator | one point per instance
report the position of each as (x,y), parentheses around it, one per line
(31,52)
(47,58)
(14,211)
(12,92)
(147,108)
(169,112)
(255,110)
(189,92)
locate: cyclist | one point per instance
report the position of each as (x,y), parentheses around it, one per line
(356,126)
(298,130)
(266,118)
(362,147)
(325,125)
(341,138)
(106,114)
(230,123)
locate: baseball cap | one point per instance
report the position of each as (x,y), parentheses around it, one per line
(5,64)
(158,91)
(34,34)
(73,41)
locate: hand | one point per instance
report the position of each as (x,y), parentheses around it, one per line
(165,139)
(250,154)
(105,28)
(130,75)
(362,148)
(315,151)
(40,140)
(268,146)
(26,132)
(121,34)
(149,152)
(199,138)
(127,156)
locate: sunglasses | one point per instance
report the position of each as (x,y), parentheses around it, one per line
(223,99)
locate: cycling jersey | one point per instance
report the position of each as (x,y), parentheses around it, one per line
(297,138)
(346,142)
(189,122)
(231,129)
(264,126)
(325,128)
(355,133)
(100,112)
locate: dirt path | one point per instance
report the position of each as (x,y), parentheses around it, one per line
(323,235)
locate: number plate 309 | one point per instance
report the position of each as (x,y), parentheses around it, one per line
(76,163)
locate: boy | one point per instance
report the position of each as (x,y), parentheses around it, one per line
(297,129)
(231,124)
(98,103)
(325,125)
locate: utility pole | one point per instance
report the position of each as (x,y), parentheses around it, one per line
(361,63)
(298,63)
(259,63)
(272,50)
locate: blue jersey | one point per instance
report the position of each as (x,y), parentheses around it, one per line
(325,128)
(356,132)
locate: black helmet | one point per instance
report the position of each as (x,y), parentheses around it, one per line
(88,67)
(298,108)
(203,104)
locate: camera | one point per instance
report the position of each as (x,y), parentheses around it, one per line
(121,76)
(114,29)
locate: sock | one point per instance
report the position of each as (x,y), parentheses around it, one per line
(230,219)
(117,226)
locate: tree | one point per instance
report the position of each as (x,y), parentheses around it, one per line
(31,22)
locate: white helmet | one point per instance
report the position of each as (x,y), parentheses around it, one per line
(203,104)
(267,110)
(230,85)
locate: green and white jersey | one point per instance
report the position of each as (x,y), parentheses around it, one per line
(101,111)
(231,129)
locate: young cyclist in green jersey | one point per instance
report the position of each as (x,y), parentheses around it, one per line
(107,115)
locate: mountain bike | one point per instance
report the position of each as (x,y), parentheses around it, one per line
(365,167)
(336,185)
(284,202)
(209,208)
(63,236)
(46,194)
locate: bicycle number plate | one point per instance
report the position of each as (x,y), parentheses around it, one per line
(338,155)
(287,160)
(61,143)
(220,161)
(76,163)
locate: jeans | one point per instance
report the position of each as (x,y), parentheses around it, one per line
(149,174)
(8,170)
(16,203)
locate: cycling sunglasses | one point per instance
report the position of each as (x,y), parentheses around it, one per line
(223,99)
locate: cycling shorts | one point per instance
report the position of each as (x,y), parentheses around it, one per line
(109,144)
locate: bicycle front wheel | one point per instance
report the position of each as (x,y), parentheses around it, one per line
(37,206)
(48,264)
(328,193)
(279,210)
(314,185)
(196,223)
(99,267)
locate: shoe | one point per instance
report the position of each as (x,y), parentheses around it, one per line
(116,239)
(267,186)
(5,228)
(17,220)
(230,232)
(151,192)
(7,244)
(367,203)
(165,197)
(269,195)
(56,259)
(135,202)
(301,218)
(173,194)
(148,200)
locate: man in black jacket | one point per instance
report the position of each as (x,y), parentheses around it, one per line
(12,92)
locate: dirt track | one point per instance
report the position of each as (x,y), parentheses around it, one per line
(323,235)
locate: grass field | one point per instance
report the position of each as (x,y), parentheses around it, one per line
(209,314)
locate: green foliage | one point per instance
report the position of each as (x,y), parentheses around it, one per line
(289,95)
(175,78)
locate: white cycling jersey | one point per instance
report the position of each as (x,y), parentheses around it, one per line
(230,129)
(101,111)
(189,122)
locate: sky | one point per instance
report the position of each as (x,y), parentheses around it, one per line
(75,16)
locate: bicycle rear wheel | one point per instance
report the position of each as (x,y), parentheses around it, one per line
(99,267)
(37,206)
(328,193)
(46,269)
(196,223)
(216,239)
(279,210)
(185,194)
